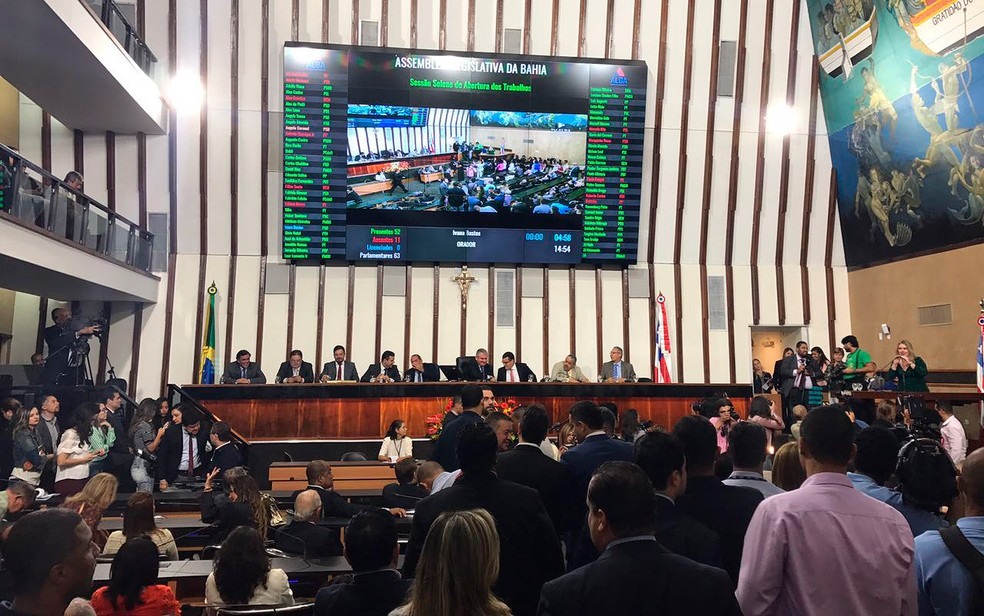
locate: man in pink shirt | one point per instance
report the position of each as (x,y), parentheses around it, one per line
(827,548)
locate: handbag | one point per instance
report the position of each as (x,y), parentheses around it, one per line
(274,513)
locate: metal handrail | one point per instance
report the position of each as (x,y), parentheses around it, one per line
(132,43)
(177,395)
(13,179)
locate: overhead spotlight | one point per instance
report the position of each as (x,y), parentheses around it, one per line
(780,120)
(185,92)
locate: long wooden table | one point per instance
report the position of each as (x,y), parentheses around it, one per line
(365,410)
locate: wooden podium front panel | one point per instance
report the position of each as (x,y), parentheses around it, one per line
(365,411)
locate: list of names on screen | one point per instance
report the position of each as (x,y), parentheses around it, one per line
(391,155)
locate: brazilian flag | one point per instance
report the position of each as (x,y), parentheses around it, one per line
(208,348)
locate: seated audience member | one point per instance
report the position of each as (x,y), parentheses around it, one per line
(138,521)
(18,496)
(760,412)
(724,509)
(79,607)
(241,574)
(799,412)
(192,439)
(662,457)
(396,444)
(73,455)
(526,464)
(225,454)
(295,369)
(243,371)
(954,437)
(634,574)
(874,463)
(460,562)
(303,535)
(943,573)
(334,504)
(747,444)
(427,472)
(445,449)
(530,551)
(376,587)
(243,507)
(885,414)
(133,587)
(97,495)
(802,556)
(405,492)
(383,372)
(787,469)
(49,557)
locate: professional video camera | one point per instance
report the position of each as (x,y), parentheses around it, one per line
(100,326)
(927,476)
(708,407)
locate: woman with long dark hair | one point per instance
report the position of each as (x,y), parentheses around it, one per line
(138,521)
(132,588)
(629,428)
(819,366)
(73,455)
(760,412)
(396,444)
(243,507)
(241,573)
(143,438)
(29,456)
(102,435)
(163,415)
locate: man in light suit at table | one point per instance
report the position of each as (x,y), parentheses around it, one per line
(339,370)
(243,371)
(567,371)
(616,370)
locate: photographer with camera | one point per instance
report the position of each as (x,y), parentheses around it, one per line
(722,415)
(67,347)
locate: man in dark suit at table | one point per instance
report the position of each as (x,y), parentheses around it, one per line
(526,464)
(383,372)
(529,549)
(376,587)
(225,454)
(634,574)
(243,371)
(333,504)
(303,535)
(475,368)
(513,371)
(420,372)
(445,450)
(184,452)
(295,369)
(339,369)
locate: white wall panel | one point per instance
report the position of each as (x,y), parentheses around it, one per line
(457,26)
(127,202)
(306,312)
(596,17)
(532,353)
(422,313)
(449,326)
(587,329)
(335,310)
(246,306)
(693,327)
(399,23)
(94,157)
(363,351)
(567,30)
(560,316)
(184,347)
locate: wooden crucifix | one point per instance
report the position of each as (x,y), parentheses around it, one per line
(464,280)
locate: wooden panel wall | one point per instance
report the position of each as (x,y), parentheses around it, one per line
(719,193)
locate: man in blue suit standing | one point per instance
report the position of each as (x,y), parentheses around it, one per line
(594,449)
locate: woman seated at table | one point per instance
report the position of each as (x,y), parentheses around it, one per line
(908,371)
(396,444)
(243,506)
(138,521)
(132,585)
(92,502)
(241,574)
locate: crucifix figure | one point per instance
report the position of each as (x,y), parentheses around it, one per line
(464,280)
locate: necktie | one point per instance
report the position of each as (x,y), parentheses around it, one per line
(512,377)
(244,371)
(338,372)
(799,375)
(191,454)
(419,379)
(617,370)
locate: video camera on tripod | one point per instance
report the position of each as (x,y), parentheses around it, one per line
(86,327)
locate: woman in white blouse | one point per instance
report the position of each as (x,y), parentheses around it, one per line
(241,574)
(396,444)
(73,454)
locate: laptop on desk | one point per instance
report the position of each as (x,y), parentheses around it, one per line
(451,372)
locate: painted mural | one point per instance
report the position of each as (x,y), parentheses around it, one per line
(902,83)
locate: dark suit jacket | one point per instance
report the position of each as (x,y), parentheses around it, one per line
(374,370)
(522,370)
(349,371)
(431,373)
(225,457)
(42,430)
(527,465)
(57,339)
(333,504)
(308,539)
(529,550)
(169,454)
(640,578)
(724,509)
(306,371)
(234,372)
(368,594)
(225,514)
(683,535)
(445,452)
(404,496)
(471,371)
(589,455)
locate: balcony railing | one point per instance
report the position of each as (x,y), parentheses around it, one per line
(34,196)
(111,15)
